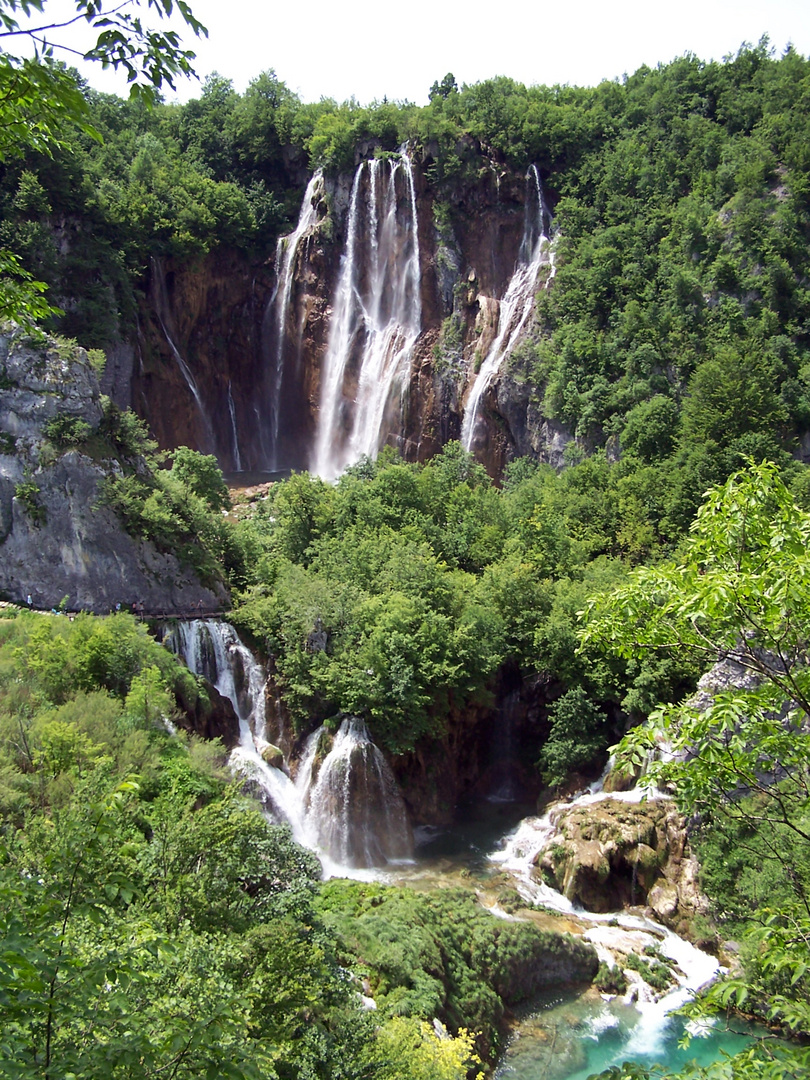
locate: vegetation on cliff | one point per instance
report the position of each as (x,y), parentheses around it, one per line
(397,595)
(739,750)
(674,337)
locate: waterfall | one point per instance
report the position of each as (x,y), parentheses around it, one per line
(353,809)
(162,310)
(345,805)
(376,319)
(213,650)
(612,933)
(281,311)
(518,300)
(237,458)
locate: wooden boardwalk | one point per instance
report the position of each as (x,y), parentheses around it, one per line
(156,615)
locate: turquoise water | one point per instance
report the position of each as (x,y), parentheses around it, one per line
(573,1038)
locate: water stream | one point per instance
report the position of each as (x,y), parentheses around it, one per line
(280,310)
(536,250)
(572,1038)
(345,805)
(376,319)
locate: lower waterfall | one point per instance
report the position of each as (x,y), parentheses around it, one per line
(353,808)
(213,650)
(344,804)
(637,1026)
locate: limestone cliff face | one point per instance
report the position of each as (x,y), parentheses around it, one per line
(218,365)
(55,540)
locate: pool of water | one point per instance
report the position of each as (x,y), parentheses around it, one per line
(571,1038)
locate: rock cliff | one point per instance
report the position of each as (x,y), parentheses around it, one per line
(216,357)
(56,541)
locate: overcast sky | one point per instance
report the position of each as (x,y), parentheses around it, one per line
(368,49)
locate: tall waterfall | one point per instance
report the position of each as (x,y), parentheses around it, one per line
(345,803)
(518,300)
(281,311)
(376,318)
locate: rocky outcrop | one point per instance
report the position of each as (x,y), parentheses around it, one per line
(56,541)
(209,715)
(613,854)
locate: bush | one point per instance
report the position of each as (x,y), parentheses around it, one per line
(27,492)
(64,431)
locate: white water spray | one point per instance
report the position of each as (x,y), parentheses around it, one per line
(354,812)
(376,318)
(612,933)
(280,309)
(213,649)
(536,250)
(345,804)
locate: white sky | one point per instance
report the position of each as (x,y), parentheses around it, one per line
(369,50)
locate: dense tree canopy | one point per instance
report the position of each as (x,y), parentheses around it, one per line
(738,757)
(673,345)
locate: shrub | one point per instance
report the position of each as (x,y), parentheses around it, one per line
(27,492)
(64,431)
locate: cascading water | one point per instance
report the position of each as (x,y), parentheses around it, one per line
(213,650)
(345,805)
(376,318)
(281,312)
(353,809)
(237,457)
(162,310)
(646,1035)
(516,306)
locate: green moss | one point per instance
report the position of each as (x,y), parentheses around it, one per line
(610,980)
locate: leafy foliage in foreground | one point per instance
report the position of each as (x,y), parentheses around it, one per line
(438,954)
(739,757)
(159,924)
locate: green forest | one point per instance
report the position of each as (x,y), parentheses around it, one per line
(152,923)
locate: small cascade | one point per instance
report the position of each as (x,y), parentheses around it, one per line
(237,458)
(345,804)
(613,934)
(503,751)
(376,318)
(213,650)
(536,250)
(281,312)
(534,834)
(162,310)
(353,809)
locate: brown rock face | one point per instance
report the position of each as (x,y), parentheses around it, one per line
(215,361)
(613,854)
